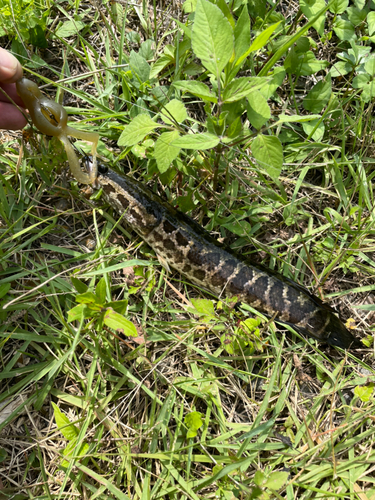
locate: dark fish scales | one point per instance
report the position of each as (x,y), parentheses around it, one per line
(192,251)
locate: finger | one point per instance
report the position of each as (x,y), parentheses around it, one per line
(10,117)
(10,68)
(10,90)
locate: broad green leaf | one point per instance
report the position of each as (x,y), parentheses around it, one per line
(193,422)
(37,37)
(258,110)
(213,40)
(318,96)
(204,306)
(88,298)
(371,22)
(356,16)
(288,44)
(257,8)
(338,6)
(238,227)
(370,66)
(137,130)
(259,42)
(189,6)
(341,68)
(243,86)
(164,152)
(173,112)
(234,129)
(309,127)
(344,29)
(198,89)
(310,65)
(114,320)
(159,65)
(197,141)
(276,480)
(364,392)
(368,92)
(139,66)
(70,28)
(68,430)
(268,152)
(79,285)
(79,312)
(242,34)
(360,81)
(71,450)
(101,290)
(311,9)
(275,80)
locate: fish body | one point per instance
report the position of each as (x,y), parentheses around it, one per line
(187,247)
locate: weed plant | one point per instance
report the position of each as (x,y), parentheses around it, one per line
(120,380)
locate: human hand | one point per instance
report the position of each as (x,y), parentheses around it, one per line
(10,71)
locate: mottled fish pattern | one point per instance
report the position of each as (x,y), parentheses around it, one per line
(187,247)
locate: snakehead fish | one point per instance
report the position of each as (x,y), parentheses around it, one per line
(187,247)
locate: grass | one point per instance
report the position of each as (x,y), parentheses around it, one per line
(194,407)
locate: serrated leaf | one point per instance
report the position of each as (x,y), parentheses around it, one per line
(258,111)
(137,130)
(164,151)
(67,429)
(268,152)
(242,34)
(197,142)
(198,89)
(212,37)
(173,112)
(70,28)
(243,86)
(204,306)
(114,320)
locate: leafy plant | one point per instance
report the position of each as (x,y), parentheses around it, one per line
(31,21)
(71,433)
(95,306)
